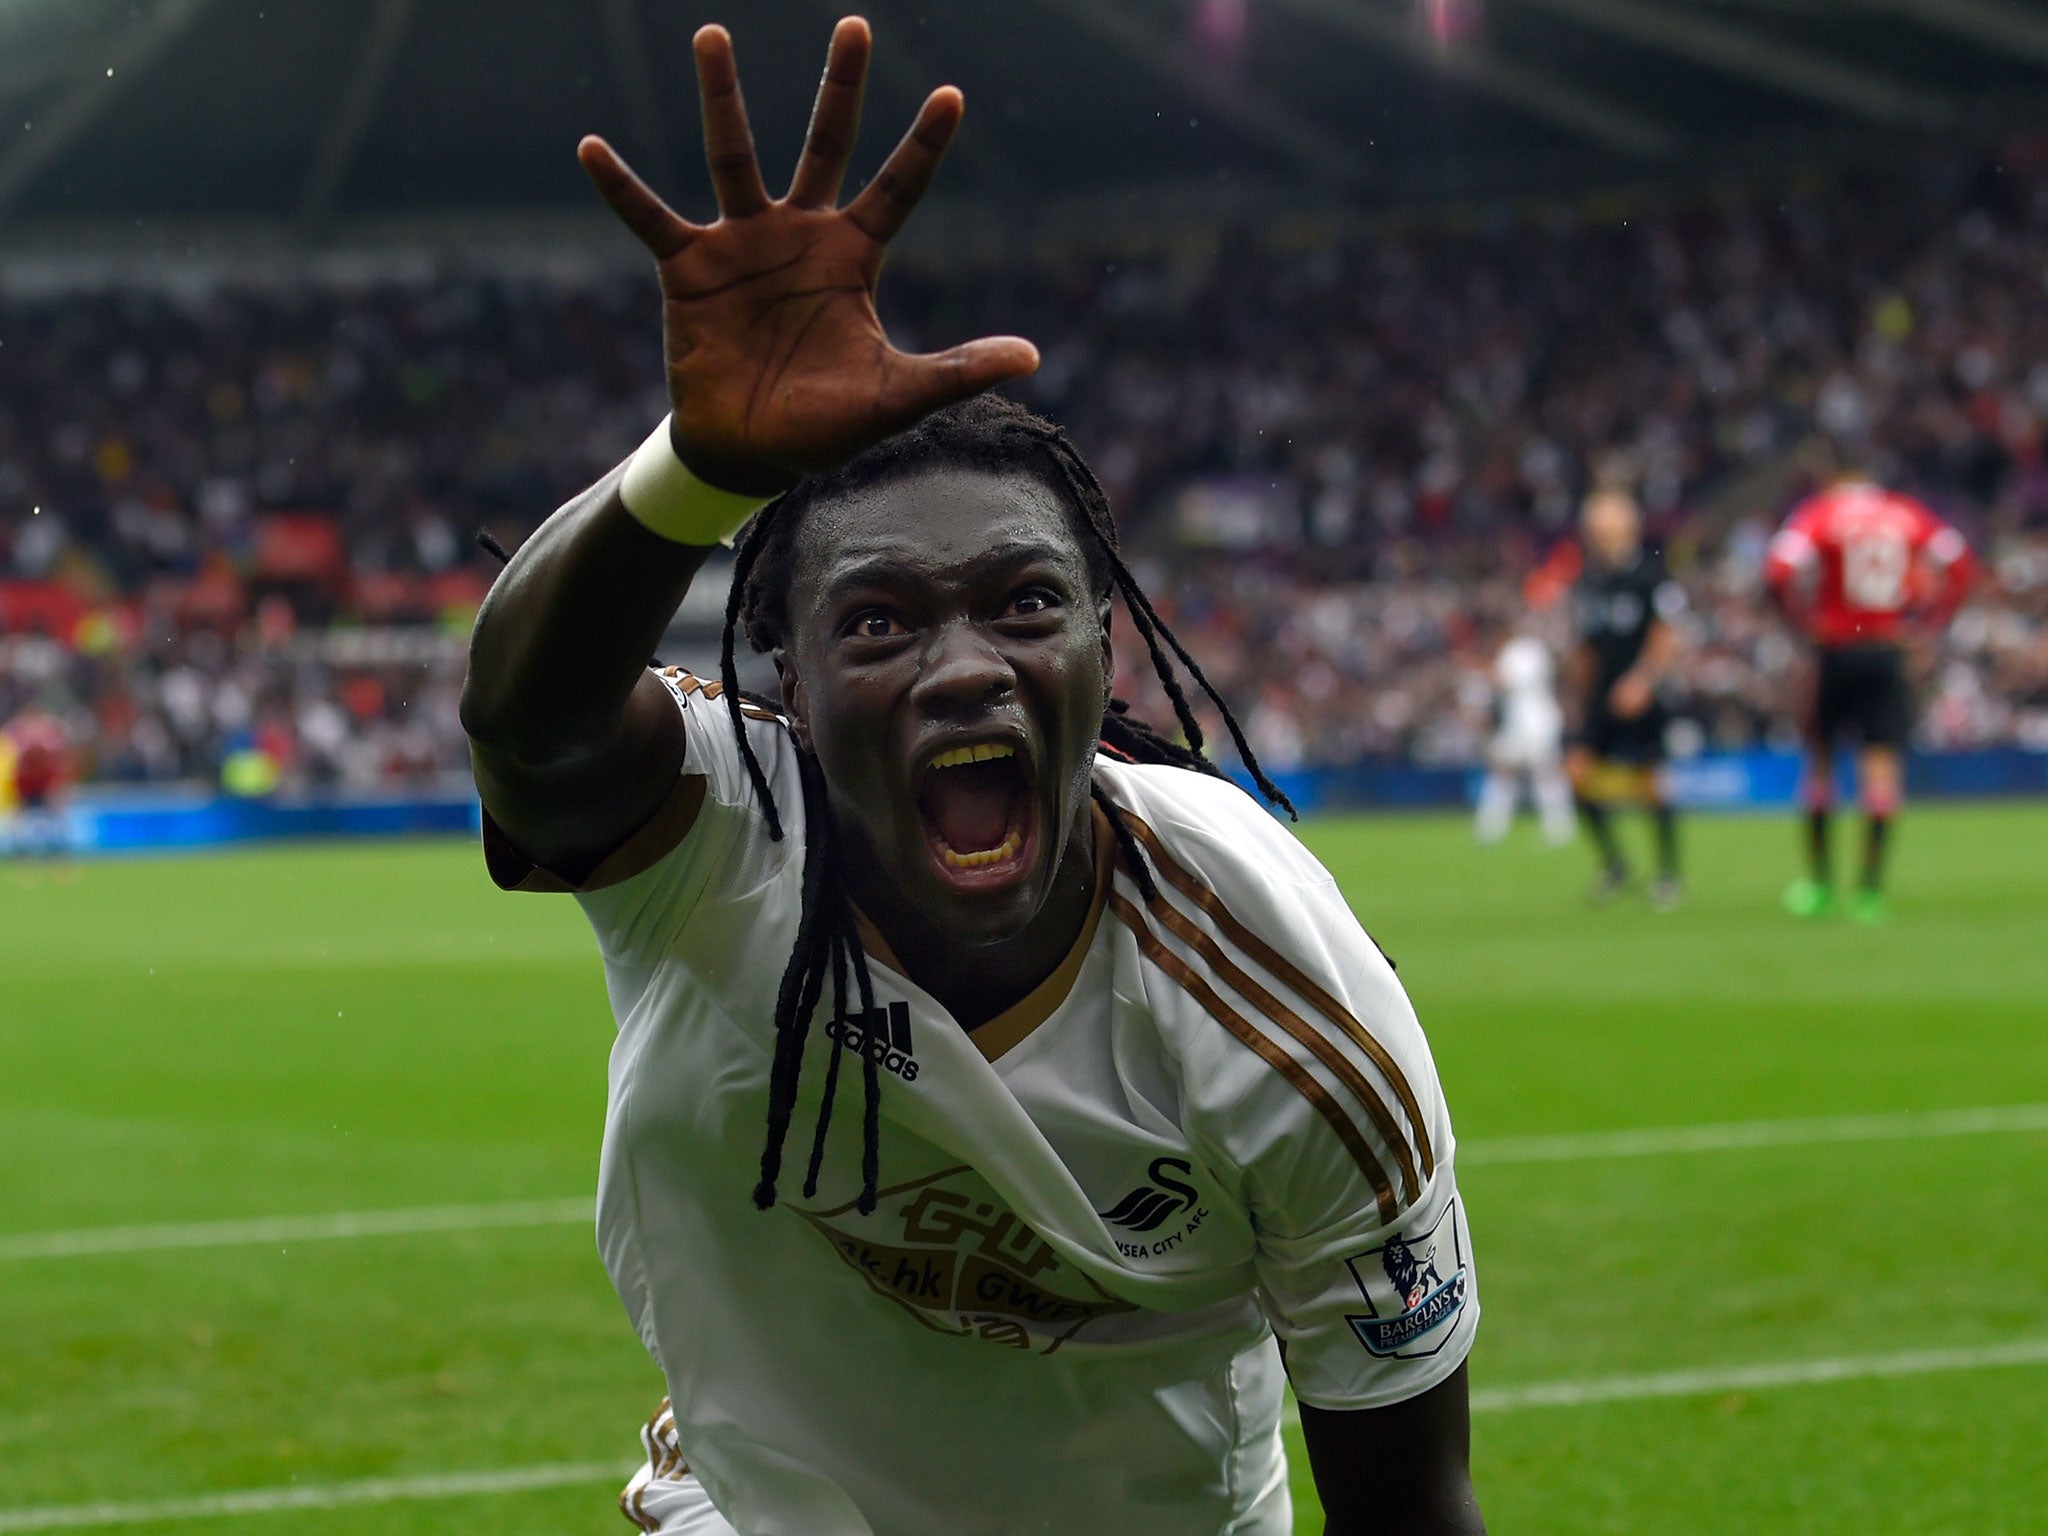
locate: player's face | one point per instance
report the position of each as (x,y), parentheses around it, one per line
(1612,527)
(949,665)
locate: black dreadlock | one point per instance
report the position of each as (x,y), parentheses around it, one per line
(989,433)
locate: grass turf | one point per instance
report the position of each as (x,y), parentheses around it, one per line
(345,1028)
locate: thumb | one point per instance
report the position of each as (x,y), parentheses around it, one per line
(928,381)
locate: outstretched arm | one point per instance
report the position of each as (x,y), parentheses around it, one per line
(777,367)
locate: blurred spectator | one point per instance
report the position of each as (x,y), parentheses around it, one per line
(1347,461)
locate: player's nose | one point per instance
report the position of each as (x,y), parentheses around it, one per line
(961,672)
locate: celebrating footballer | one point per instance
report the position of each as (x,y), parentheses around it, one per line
(1006,1108)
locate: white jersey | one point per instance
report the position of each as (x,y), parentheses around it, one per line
(1217,1122)
(1531,723)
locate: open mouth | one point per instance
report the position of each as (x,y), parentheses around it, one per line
(976,805)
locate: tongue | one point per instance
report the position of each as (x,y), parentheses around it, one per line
(969,806)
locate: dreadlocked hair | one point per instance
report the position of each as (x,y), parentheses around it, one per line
(984,433)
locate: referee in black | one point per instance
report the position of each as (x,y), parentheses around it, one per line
(1626,611)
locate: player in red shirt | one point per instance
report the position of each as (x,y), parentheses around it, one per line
(42,770)
(1862,572)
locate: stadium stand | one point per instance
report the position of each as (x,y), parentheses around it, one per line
(239,516)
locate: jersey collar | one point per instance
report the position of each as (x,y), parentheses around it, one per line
(1007,1029)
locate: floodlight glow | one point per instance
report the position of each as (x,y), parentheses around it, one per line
(1452,22)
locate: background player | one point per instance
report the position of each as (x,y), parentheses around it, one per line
(1529,742)
(39,746)
(1627,611)
(1862,572)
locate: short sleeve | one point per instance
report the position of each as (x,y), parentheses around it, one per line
(1312,1094)
(1364,1258)
(1793,553)
(1381,1313)
(708,838)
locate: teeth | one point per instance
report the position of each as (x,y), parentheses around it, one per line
(1006,849)
(959,756)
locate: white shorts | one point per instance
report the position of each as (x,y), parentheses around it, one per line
(663,1495)
(1534,749)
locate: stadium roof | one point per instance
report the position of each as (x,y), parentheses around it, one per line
(319,119)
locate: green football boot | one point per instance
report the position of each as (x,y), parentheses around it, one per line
(1870,908)
(1809,898)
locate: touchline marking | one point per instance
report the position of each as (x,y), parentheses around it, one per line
(1492,1151)
(269,1501)
(1542,1394)
(1756,1378)
(295,1229)
(1733,1136)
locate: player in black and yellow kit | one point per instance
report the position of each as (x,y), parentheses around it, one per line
(1626,610)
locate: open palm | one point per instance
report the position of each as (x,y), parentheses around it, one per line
(777,363)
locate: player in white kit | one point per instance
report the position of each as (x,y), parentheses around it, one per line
(1145,1126)
(1528,742)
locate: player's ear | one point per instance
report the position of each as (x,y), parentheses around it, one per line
(794,704)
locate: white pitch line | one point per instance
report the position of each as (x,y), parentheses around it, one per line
(1737,1135)
(1756,1378)
(1541,1394)
(270,1501)
(1483,1152)
(295,1229)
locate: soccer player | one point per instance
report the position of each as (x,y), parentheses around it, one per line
(43,768)
(1862,572)
(1528,741)
(1627,611)
(1139,1105)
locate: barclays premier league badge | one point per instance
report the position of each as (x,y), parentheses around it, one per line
(1414,1287)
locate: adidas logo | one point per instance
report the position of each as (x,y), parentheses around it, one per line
(882,1035)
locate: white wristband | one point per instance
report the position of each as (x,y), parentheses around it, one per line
(669,501)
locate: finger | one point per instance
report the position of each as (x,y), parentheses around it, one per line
(835,118)
(660,228)
(728,141)
(926,382)
(886,202)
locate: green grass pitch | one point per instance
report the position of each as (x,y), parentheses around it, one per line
(294,1032)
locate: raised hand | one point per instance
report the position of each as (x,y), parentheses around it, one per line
(777,364)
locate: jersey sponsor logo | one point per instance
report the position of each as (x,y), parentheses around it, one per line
(1413,1287)
(880,1034)
(951,1255)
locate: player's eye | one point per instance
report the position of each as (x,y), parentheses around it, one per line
(874,624)
(1030,603)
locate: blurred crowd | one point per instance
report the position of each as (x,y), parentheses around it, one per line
(1324,673)
(1349,461)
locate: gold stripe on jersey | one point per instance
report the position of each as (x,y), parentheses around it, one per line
(632,1505)
(1248,1034)
(664,1462)
(1000,1034)
(1300,1030)
(1018,1020)
(1293,977)
(690,682)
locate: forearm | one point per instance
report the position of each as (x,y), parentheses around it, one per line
(567,630)
(1403,1470)
(1578,670)
(1660,652)
(1457,1514)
